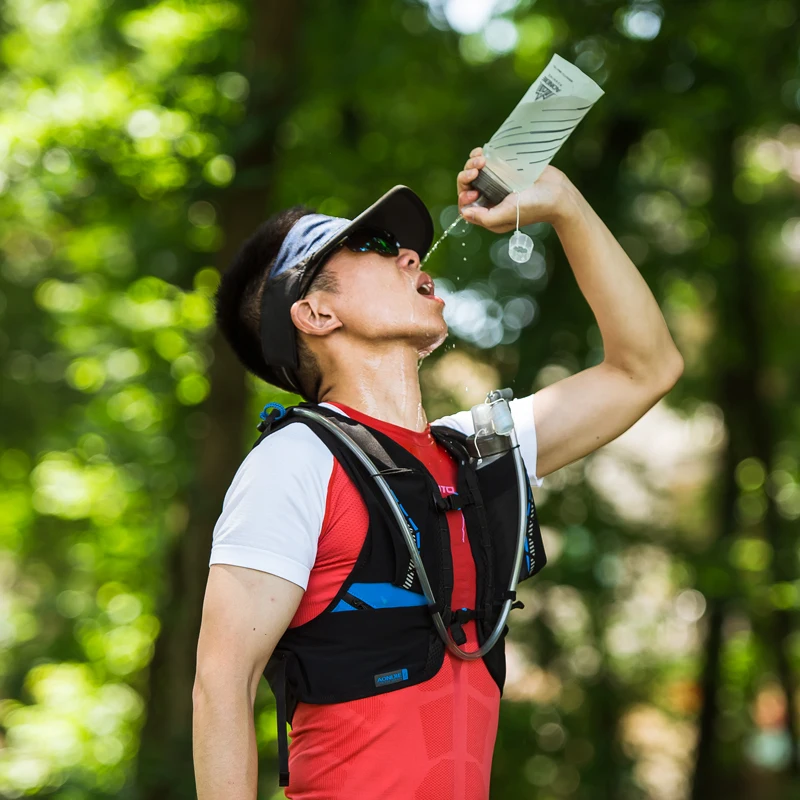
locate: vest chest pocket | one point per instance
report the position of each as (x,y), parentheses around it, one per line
(346,649)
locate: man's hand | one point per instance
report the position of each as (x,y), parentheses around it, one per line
(578,414)
(550,199)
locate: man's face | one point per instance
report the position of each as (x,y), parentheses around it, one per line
(383,297)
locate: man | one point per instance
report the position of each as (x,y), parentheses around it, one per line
(294,524)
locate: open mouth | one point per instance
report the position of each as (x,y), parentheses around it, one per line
(425,286)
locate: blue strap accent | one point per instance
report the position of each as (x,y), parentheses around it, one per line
(527,521)
(527,547)
(410,521)
(382,595)
(386,595)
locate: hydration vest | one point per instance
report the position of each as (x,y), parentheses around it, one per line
(376,635)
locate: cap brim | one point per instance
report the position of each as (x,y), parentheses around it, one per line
(401,212)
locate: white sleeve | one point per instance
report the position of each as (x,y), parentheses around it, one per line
(522,412)
(273,510)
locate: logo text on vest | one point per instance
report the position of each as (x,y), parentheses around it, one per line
(395,676)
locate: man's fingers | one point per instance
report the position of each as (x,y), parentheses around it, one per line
(469,173)
(467,196)
(475,162)
(465,178)
(476,214)
(494,219)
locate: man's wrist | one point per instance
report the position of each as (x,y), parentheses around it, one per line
(570,208)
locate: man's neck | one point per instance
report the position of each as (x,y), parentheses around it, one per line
(382,384)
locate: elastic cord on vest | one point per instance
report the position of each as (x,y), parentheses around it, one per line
(408,536)
(280,708)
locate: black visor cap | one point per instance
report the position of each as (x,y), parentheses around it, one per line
(400,211)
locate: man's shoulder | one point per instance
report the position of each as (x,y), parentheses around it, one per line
(290,434)
(290,451)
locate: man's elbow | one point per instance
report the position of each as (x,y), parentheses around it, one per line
(200,691)
(667,372)
(211,681)
(654,373)
(214,696)
(220,679)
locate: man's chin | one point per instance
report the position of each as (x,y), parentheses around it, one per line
(431,344)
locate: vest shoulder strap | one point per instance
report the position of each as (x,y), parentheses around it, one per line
(384,462)
(453,440)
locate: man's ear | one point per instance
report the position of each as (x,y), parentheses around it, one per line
(313,316)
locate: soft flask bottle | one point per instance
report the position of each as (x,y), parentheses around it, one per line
(535,130)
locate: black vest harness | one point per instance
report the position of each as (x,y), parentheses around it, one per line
(376,635)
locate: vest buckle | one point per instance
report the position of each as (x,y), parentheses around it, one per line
(509,596)
(456,621)
(452,502)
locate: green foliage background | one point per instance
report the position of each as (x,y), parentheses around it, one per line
(139,145)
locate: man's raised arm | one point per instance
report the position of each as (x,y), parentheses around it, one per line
(245,612)
(578,414)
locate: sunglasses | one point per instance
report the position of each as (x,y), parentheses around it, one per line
(361,240)
(372,240)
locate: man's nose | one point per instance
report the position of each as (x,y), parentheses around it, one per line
(408,259)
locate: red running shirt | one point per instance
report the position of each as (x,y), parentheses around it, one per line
(432,741)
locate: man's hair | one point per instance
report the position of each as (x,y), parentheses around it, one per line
(238,302)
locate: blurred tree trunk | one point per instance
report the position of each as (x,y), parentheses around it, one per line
(751,433)
(705,775)
(165,768)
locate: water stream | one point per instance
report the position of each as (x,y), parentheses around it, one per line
(455,222)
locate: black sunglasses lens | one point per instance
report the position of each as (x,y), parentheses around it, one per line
(373,240)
